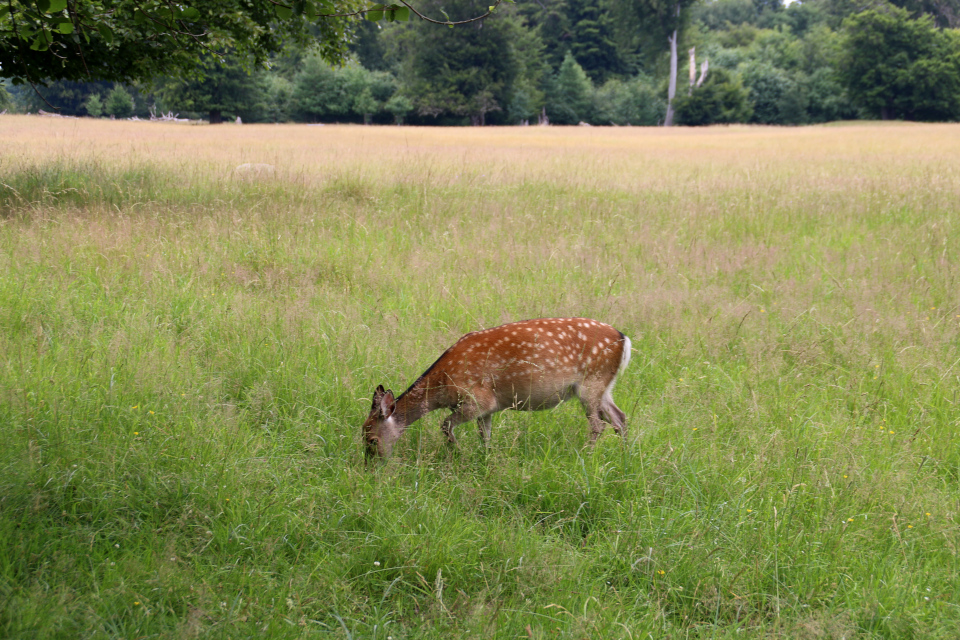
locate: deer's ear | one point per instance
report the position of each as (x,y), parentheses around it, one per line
(387,404)
(377,395)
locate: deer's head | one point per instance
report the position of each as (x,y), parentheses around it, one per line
(380,430)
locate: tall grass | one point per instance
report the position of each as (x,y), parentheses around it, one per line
(186,355)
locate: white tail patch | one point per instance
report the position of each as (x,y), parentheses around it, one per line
(624,361)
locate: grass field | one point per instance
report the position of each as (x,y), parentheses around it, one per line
(187,354)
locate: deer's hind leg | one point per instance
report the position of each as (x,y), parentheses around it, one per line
(592,406)
(601,409)
(612,414)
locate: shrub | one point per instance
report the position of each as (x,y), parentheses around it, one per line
(570,95)
(94,105)
(634,102)
(776,97)
(721,99)
(119,103)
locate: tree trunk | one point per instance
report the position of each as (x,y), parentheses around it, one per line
(672,87)
(216,117)
(693,69)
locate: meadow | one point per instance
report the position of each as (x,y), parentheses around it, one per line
(187,353)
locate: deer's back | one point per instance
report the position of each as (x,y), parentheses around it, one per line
(532,363)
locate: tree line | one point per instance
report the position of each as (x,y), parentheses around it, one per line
(599,62)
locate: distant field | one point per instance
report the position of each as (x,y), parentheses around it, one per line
(187,353)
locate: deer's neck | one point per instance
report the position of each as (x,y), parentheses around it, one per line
(415,402)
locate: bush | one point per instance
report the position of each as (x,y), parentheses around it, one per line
(278,99)
(522,105)
(776,97)
(365,104)
(399,105)
(570,95)
(322,92)
(94,105)
(896,67)
(826,98)
(634,102)
(6,101)
(119,103)
(721,99)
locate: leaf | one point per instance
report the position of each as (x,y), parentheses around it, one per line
(56,6)
(66,28)
(375,13)
(43,6)
(4,10)
(105,33)
(403,13)
(284,13)
(190,14)
(42,42)
(139,17)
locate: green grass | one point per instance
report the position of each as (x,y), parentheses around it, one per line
(185,362)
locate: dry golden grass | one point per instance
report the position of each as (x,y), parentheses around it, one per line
(837,158)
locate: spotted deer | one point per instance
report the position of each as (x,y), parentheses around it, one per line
(529,366)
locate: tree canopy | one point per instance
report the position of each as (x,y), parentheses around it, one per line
(128,40)
(599,62)
(897,67)
(131,40)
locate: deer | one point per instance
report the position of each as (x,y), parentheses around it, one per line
(530,365)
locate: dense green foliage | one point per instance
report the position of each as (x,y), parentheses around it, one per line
(594,61)
(119,103)
(468,71)
(896,67)
(138,40)
(721,99)
(224,87)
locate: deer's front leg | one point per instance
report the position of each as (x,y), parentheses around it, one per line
(484,424)
(449,423)
(477,407)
